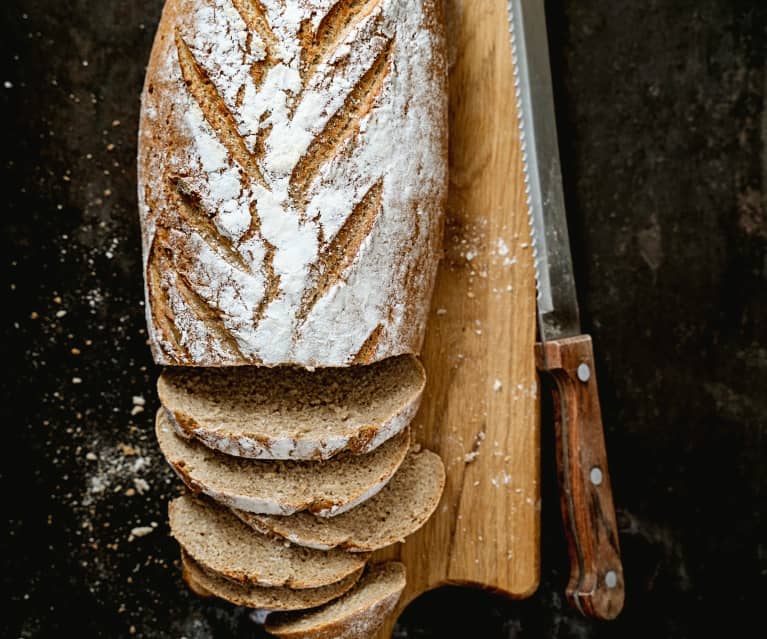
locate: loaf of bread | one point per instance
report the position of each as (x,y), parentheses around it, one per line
(292,180)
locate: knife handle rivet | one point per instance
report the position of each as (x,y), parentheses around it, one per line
(584,372)
(611,579)
(596,476)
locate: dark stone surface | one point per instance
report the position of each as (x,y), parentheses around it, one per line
(663,122)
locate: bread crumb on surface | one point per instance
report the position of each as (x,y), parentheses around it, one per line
(140,531)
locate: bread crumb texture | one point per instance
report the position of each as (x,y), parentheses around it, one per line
(223,545)
(359,613)
(291,413)
(397,511)
(280,487)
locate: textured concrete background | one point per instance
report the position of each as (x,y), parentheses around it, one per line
(664,127)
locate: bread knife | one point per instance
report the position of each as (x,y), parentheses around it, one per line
(596,586)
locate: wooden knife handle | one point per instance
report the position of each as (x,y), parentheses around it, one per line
(596,585)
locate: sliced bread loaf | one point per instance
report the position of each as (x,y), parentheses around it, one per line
(223,545)
(290,413)
(401,508)
(281,487)
(356,615)
(205,584)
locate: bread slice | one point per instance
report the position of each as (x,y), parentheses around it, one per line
(223,545)
(290,413)
(281,487)
(356,615)
(401,508)
(205,584)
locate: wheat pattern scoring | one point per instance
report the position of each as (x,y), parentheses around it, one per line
(337,254)
(250,80)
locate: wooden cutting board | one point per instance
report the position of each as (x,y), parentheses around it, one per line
(480,411)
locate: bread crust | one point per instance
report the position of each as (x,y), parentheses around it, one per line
(292,180)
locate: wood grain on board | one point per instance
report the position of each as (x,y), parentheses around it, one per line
(480,411)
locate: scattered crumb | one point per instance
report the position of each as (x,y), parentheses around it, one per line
(91,456)
(497,385)
(127,450)
(470,457)
(77,380)
(140,531)
(441,311)
(141,485)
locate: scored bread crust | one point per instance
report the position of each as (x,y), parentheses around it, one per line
(292,179)
(205,584)
(275,487)
(358,613)
(400,509)
(197,400)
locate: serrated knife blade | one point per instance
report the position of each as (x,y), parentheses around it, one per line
(558,314)
(596,585)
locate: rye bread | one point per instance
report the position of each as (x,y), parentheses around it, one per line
(292,179)
(281,487)
(401,508)
(205,584)
(356,615)
(290,413)
(224,546)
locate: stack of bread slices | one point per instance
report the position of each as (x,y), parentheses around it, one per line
(295,478)
(292,183)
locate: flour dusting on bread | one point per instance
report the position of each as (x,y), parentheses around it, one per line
(292,180)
